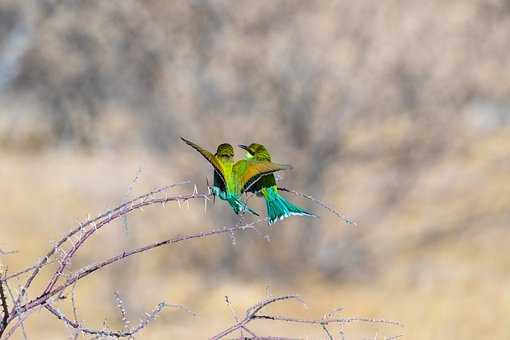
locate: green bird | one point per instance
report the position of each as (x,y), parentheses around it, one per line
(231,179)
(278,208)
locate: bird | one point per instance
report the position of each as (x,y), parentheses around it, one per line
(278,208)
(232,179)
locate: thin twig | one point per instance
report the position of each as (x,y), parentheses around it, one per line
(5,309)
(327,321)
(252,314)
(9,252)
(130,189)
(122,310)
(322,204)
(24,271)
(19,323)
(149,317)
(21,317)
(75,309)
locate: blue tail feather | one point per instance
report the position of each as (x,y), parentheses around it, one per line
(278,208)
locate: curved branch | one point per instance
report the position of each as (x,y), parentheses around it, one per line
(149,317)
(45,260)
(252,314)
(41,300)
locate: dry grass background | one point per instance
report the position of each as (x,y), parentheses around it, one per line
(395,112)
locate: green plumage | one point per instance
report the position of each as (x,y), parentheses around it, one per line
(278,208)
(224,185)
(232,179)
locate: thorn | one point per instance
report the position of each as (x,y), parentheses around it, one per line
(233,238)
(195,190)
(179,202)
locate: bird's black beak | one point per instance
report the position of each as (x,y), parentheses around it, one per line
(243,147)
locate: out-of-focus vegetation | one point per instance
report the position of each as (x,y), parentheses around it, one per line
(395,112)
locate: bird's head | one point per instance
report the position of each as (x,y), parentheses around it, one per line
(256,150)
(225,151)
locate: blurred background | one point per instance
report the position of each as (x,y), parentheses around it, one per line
(397,113)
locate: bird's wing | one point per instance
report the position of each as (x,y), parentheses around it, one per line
(249,171)
(261,182)
(210,157)
(219,181)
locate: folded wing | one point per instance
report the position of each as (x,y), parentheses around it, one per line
(249,171)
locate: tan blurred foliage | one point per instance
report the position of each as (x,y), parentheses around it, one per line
(395,112)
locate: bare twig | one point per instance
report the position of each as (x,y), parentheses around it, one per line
(322,204)
(4,252)
(122,310)
(327,321)
(21,316)
(149,317)
(18,324)
(252,314)
(24,271)
(75,309)
(130,189)
(5,309)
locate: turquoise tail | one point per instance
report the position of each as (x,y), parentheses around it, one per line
(278,208)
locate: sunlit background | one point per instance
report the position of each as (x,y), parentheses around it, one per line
(396,113)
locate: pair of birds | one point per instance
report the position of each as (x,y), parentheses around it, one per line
(254,173)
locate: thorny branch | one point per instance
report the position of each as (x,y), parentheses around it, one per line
(5,309)
(66,248)
(322,204)
(77,237)
(45,260)
(92,268)
(106,333)
(253,314)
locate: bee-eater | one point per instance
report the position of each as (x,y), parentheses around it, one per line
(278,208)
(232,179)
